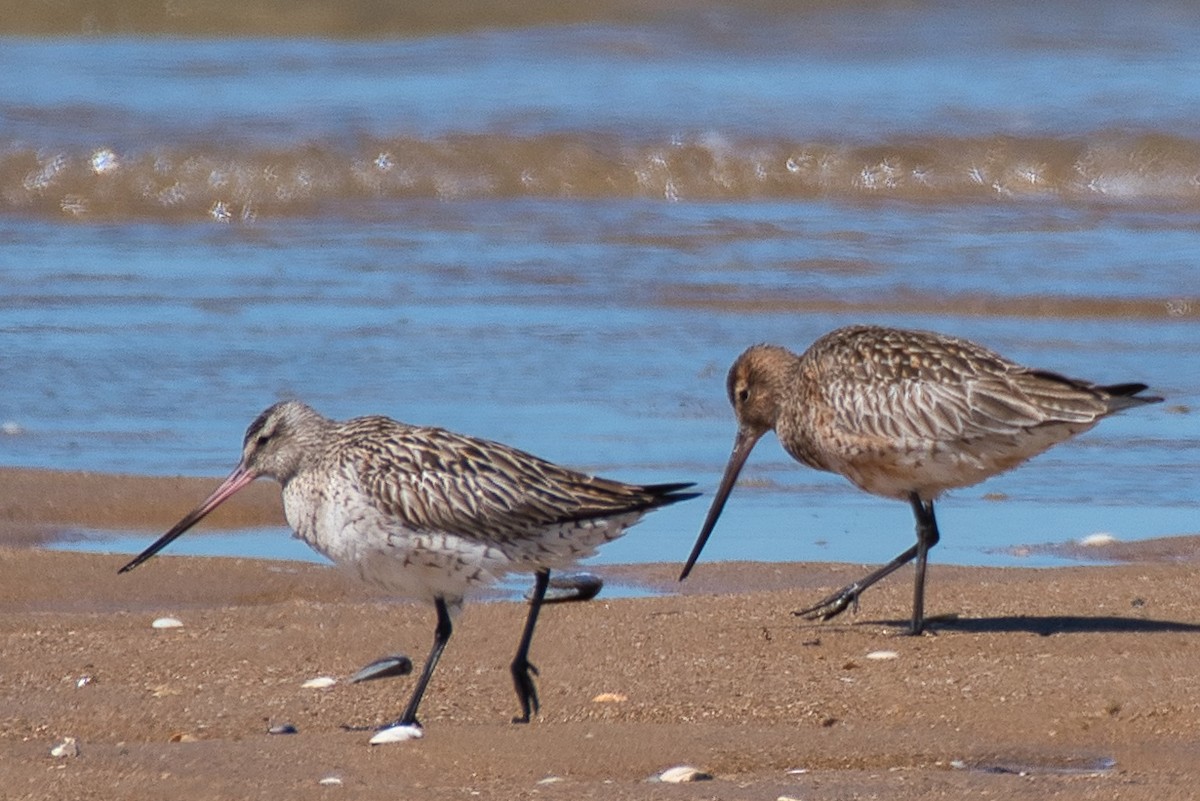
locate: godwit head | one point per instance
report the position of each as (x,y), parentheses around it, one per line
(276,446)
(756,384)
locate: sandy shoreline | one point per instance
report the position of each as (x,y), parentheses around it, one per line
(1080,682)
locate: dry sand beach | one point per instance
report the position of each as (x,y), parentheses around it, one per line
(1074,682)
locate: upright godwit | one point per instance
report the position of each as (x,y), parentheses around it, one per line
(428,514)
(903,414)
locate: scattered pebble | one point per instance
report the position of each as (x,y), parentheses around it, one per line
(682,773)
(330,781)
(182,737)
(83,681)
(319,683)
(397,734)
(610,698)
(1097,539)
(882,655)
(167,623)
(383,668)
(67,748)
(283,728)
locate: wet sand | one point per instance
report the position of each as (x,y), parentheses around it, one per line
(1074,682)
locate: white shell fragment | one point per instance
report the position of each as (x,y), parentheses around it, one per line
(683,773)
(610,698)
(397,734)
(319,683)
(330,781)
(1096,540)
(67,748)
(883,655)
(167,623)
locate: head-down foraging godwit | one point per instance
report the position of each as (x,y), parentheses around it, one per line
(903,414)
(428,514)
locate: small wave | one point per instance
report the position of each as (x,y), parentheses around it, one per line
(240,184)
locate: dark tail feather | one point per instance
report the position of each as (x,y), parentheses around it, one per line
(666,494)
(657,495)
(1123,396)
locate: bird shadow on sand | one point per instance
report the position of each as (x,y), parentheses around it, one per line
(1047,625)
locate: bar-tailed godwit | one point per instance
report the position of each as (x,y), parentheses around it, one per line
(903,414)
(428,514)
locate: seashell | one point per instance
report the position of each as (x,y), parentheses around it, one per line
(182,737)
(568,587)
(397,734)
(330,781)
(83,681)
(882,655)
(683,773)
(319,683)
(384,667)
(67,748)
(166,623)
(550,780)
(283,728)
(610,698)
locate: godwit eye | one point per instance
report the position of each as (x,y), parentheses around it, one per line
(262,440)
(743,394)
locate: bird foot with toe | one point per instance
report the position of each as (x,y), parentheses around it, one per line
(833,605)
(526,691)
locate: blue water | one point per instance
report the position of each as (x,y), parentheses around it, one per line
(560,236)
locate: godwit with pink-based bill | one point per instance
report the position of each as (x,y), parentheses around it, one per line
(903,414)
(429,514)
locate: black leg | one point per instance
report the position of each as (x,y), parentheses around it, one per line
(441,635)
(927,536)
(522,671)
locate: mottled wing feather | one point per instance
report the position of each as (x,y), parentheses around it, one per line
(918,386)
(436,480)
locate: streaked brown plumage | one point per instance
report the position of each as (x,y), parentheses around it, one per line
(903,414)
(428,514)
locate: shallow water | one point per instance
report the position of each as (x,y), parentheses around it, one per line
(559,227)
